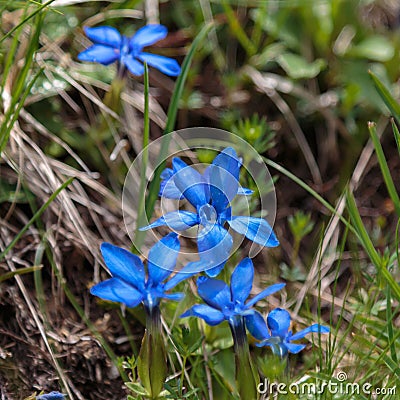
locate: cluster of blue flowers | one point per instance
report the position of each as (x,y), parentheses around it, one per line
(211,194)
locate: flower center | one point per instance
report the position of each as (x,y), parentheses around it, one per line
(207,215)
(124,49)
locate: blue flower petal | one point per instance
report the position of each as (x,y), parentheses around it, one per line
(209,314)
(266,292)
(162,258)
(316,328)
(173,296)
(214,246)
(168,189)
(224,178)
(242,281)
(214,292)
(256,325)
(133,65)
(98,53)
(116,290)
(244,191)
(124,265)
(167,173)
(51,396)
(176,220)
(189,182)
(147,36)
(186,272)
(166,65)
(294,348)
(212,272)
(106,35)
(256,229)
(278,321)
(229,161)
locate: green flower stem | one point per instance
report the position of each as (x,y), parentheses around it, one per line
(247,378)
(184,359)
(112,98)
(100,134)
(237,30)
(152,360)
(141,210)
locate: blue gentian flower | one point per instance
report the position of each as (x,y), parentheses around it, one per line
(229,303)
(129,285)
(51,396)
(277,334)
(211,194)
(110,46)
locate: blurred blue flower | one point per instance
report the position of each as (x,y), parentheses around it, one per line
(229,303)
(51,396)
(110,46)
(277,334)
(129,285)
(211,194)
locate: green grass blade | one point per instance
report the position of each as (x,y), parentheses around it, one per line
(141,219)
(19,90)
(307,188)
(25,20)
(36,216)
(20,271)
(396,134)
(384,167)
(389,321)
(37,277)
(13,113)
(29,57)
(171,117)
(368,245)
(386,96)
(10,56)
(356,227)
(237,30)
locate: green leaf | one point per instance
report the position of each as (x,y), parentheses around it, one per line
(294,274)
(384,168)
(224,366)
(152,360)
(386,96)
(299,68)
(368,245)
(396,134)
(136,388)
(268,54)
(377,48)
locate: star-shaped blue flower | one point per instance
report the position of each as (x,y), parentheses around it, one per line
(277,334)
(211,194)
(129,285)
(51,396)
(229,303)
(110,46)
